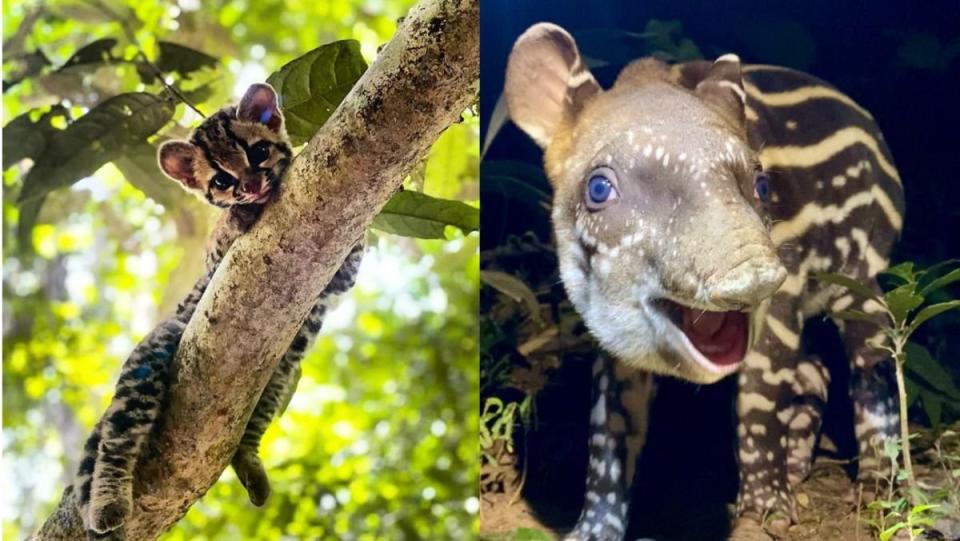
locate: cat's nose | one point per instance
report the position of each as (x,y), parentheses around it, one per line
(250,186)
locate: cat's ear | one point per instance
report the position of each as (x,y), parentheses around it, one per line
(259,104)
(176,161)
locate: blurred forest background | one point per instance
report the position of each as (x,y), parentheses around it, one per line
(380,439)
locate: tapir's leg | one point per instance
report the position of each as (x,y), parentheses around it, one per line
(618,426)
(873,394)
(766,406)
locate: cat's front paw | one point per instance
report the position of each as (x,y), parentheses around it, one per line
(252,476)
(115,535)
(108,515)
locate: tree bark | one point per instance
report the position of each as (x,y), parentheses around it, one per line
(418,85)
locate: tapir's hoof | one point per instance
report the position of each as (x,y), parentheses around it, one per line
(748,529)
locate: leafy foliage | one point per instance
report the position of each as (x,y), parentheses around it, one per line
(182,60)
(414,214)
(100,136)
(312,86)
(378,442)
(909,508)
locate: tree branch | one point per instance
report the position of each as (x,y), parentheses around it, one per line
(418,85)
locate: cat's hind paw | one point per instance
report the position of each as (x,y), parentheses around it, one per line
(108,516)
(252,476)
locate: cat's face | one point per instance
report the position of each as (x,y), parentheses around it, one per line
(236,156)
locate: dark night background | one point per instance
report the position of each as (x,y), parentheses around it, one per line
(900,60)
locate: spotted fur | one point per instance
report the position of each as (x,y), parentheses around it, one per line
(730,186)
(234,160)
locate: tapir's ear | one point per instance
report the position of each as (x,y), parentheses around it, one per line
(546,81)
(176,160)
(723,87)
(259,104)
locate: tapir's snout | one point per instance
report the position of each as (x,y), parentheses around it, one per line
(748,282)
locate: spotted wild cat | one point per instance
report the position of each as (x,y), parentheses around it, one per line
(234,160)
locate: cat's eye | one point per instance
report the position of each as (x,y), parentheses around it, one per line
(761,187)
(223,181)
(601,189)
(258,153)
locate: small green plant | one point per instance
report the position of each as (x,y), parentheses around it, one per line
(909,512)
(895,312)
(497,424)
(898,313)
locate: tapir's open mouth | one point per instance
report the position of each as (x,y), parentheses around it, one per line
(719,340)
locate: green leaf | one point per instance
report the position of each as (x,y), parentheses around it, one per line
(934,269)
(413,214)
(514,288)
(932,406)
(105,133)
(97,52)
(913,392)
(529,534)
(903,270)
(932,311)
(891,449)
(887,534)
(923,508)
(448,162)
(198,95)
(29,212)
(941,282)
(901,300)
(313,85)
(180,59)
(922,366)
(854,286)
(23,138)
(855,315)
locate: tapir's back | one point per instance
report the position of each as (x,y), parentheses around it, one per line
(837,199)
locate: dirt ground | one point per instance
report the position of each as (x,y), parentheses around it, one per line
(826,510)
(827,501)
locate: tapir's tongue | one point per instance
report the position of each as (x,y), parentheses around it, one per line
(719,336)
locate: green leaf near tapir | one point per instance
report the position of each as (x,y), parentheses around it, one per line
(901,300)
(858,288)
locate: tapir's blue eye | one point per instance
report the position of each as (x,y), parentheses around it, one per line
(601,189)
(761,187)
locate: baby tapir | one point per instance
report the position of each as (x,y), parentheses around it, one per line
(692,203)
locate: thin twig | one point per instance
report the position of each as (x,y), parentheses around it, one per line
(859,504)
(131,36)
